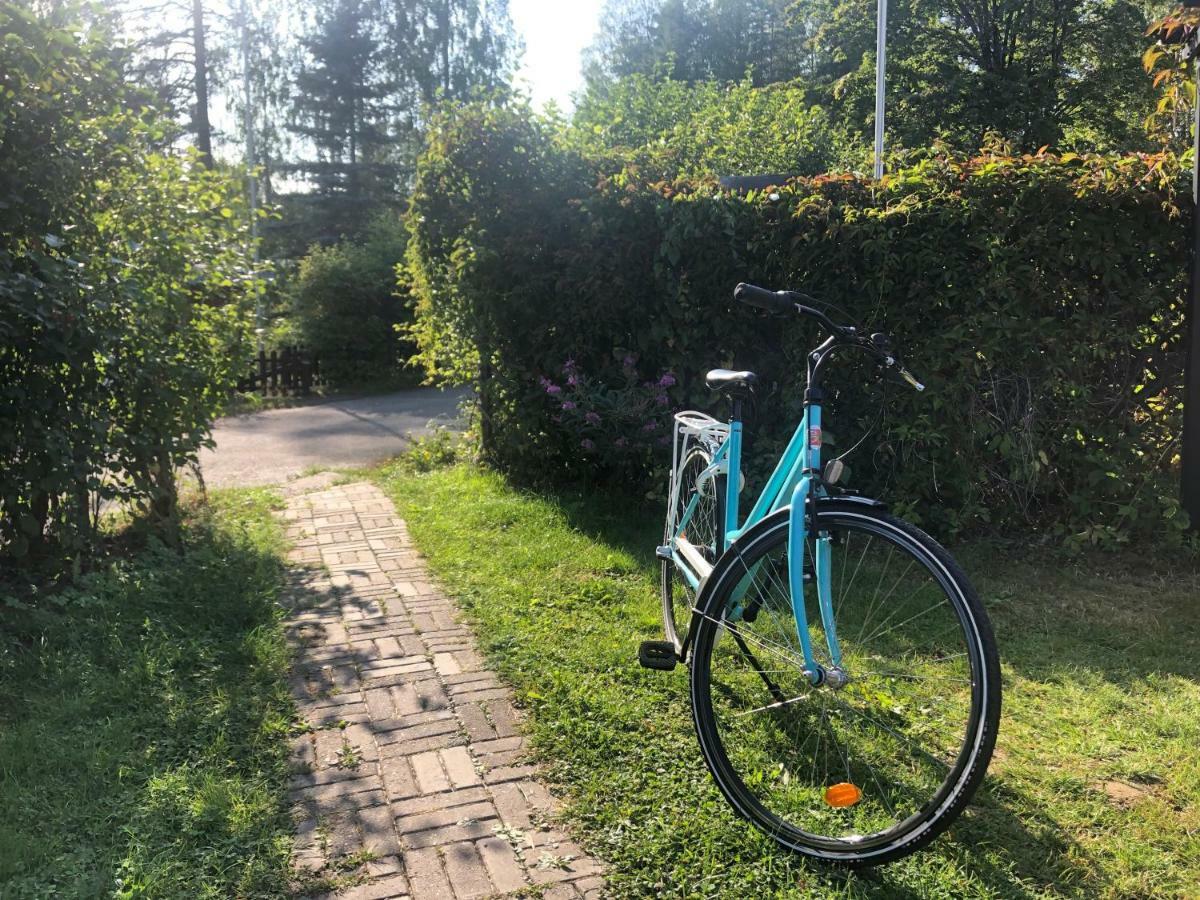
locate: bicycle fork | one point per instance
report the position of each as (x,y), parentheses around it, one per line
(803,506)
(804,498)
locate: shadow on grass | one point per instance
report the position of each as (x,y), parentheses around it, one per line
(144,723)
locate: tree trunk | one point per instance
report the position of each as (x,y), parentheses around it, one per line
(164,499)
(487,434)
(200,120)
(445,36)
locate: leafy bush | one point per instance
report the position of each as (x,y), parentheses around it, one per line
(346,306)
(123,287)
(1039,297)
(705,128)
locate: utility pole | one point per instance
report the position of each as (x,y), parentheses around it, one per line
(880,80)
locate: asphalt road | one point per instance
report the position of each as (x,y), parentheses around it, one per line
(272,446)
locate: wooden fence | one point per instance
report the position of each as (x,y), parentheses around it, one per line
(292,370)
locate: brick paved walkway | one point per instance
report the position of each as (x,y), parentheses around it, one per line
(413,780)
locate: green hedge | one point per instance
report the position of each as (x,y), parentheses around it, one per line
(1039,298)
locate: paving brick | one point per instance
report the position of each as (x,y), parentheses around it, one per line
(378,831)
(422,745)
(511,758)
(383,889)
(475,720)
(467,872)
(477,691)
(402,734)
(379,703)
(590,887)
(466,678)
(418,696)
(427,879)
(325,717)
(303,756)
(469,661)
(501,862)
(312,778)
(389,647)
(538,797)
(323,793)
(542,838)
(398,779)
(505,718)
(512,806)
(384,865)
(444,800)
(431,776)
(450,834)
(500,745)
(310,860)
(459,767)
(509,773)
(439,818)
(340,804)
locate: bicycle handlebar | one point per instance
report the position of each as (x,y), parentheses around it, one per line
(788,302)
(796,302)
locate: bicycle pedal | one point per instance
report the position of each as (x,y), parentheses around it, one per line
(657,655)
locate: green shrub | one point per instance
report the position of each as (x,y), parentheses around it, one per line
(1039,297)
(705,128)
(346,305)
(124,287)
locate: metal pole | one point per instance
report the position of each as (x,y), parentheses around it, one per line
(1190,453)
(251,180)
(880,79)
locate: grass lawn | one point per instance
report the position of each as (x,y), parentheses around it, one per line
(144,721)
(1094,791)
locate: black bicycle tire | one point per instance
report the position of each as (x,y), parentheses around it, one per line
(966,775)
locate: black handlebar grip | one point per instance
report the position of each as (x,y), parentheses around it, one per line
(763,299)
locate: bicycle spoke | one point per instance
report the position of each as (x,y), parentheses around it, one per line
(777,705)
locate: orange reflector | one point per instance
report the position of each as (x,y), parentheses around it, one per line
(843,794)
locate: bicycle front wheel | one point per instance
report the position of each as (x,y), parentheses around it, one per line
(874,762)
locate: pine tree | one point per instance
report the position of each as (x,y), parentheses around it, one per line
(449,48)
(343,102)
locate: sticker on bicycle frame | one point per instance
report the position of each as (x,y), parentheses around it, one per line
(814,438)
(842,795)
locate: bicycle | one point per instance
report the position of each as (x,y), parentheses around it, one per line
(847,705)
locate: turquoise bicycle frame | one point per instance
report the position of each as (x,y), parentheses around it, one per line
(796,482)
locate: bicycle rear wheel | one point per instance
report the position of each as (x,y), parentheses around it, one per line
(702,530)
(869,770)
